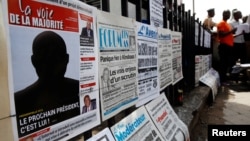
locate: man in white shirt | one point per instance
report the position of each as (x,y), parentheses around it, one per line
(239,48)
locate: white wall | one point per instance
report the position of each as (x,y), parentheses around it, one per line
(131,10)
(6,132)
(143,14)
(115,7)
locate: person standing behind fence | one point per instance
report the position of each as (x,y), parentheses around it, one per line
(239,48)
(225,35)
(208,23)
(232,17)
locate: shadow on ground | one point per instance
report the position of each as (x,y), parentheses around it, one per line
(240,87)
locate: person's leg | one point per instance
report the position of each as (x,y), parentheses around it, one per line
(247,51)
(235,52)
(222,62)
(231,60)
(242,52)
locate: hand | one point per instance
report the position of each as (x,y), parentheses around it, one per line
(234,30)
(243,32)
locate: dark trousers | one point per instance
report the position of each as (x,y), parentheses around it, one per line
(239,52)
(226,60)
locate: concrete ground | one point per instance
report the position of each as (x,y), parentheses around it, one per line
(231,106)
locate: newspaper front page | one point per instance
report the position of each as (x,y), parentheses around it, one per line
(136,127)
(156,13)
(207,39)
(165,58)
(52,70)
(177,56)
(211,79)
(202,30)
(166,120)
(117,63)
(196,34)
(148,81)
(198,69)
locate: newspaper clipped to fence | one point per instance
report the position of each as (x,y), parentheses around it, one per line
(177,56)
(165,57)
(53,68)
(148,82)
(117,63)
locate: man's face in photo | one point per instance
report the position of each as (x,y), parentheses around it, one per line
(88,25)
(87,101)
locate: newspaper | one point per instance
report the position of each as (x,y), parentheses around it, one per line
(211,79)
(51,69)
(165,58)
(166,120)
(156,13)
(198,69)
(177,56)
(202,30)
(196,34)
(136,127)
(203,63)
(148,81)
(207,39)
(104,135)
(117,63)
(207,62)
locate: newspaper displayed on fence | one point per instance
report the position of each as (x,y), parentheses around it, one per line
(207,39)
(203,63)
(196,35)
(198,69)
(104,135)
(148,81)
(166,120)
(117,63)
(136,127)
(207,62)
(212,80)
(156,13)
(51,71)
(177,56)
(165,57)
(201,36)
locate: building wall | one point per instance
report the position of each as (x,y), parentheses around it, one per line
(115,7)
(6,132)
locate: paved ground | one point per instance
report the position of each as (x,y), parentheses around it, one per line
(231,106)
